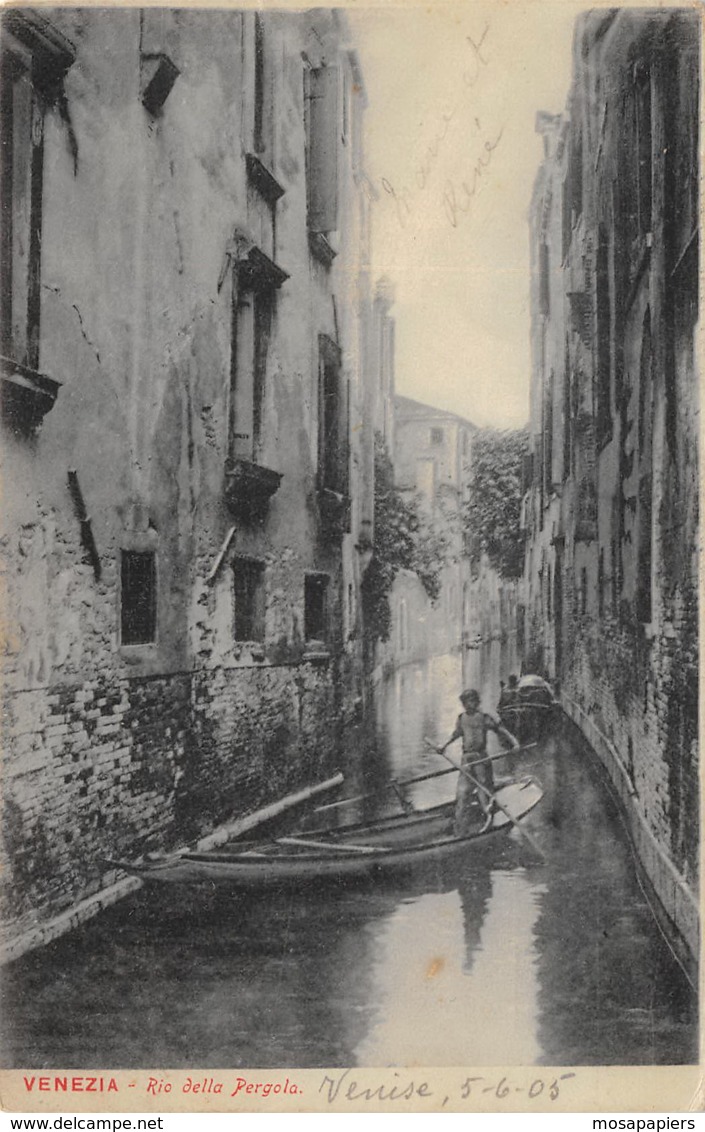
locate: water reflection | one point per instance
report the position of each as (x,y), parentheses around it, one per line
(489,958)
(569,947)
(446,974)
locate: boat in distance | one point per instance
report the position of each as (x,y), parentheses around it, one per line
(530,709)
(363,849)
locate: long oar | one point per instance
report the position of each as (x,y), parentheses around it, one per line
(420,777)
(388,786)
(396,783)
(492,797)
(487,758)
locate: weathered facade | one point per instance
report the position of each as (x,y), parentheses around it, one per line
(187,493)
(612,508)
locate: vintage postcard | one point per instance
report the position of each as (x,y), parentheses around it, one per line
(350,621)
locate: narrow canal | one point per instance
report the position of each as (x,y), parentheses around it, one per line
(495,959)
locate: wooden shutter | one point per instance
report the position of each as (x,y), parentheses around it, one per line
(344,445)
(21,208)
(323,136)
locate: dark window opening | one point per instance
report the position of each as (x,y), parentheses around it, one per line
(645,389)
(527,471)
(548,436)
(567,416)
(601,583)
(643,586)
(263,90)
(138,607)
(544,280)
(263,326)
(603,390)
(567,216)
(558,610)
(259,85)
(248,598)
(316,607)
(645,426)
(643,138)
(576,174)
(436,436)
(333,440)
(583,591)
(330,413)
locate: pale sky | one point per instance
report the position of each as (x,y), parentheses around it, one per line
(465,79)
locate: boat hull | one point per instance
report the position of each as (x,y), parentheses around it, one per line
(365,850)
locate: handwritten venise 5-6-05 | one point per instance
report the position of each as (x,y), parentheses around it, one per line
(350,556)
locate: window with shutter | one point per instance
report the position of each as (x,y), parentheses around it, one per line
(603,304)
(263,91)
(252,319)
(22,138)
(33,57)
(255,280)
(323,134)
(544,280)
(34,60)
(642,84)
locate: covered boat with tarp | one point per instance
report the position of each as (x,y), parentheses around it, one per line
(528,707)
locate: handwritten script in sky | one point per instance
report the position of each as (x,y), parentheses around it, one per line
(456,195)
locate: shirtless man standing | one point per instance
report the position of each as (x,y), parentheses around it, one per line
(472,727)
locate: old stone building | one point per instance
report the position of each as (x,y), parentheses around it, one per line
(612,509)
(187,493)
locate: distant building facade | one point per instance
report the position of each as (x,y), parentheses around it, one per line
(188,487)
(432,455)
(612,507)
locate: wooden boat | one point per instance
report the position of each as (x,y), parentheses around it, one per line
(362,849)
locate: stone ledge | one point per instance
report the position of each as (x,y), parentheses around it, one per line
(66,921)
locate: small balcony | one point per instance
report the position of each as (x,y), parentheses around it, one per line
(262,179)
(27,396)
(249,488)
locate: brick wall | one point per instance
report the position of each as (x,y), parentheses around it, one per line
(115,768)
(634,694)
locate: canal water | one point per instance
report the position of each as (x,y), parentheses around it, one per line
(498,958)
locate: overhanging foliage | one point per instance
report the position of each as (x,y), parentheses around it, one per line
(404,540)
(493,509)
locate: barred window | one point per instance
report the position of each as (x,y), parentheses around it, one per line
(138,605)
(248,599)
